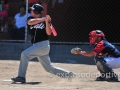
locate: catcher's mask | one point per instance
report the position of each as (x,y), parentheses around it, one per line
(37,9)
(93,36)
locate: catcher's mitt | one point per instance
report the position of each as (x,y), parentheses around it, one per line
(75,50)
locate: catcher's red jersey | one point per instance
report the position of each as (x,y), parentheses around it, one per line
(105,47)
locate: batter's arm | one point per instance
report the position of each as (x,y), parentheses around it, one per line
(48,28)
(36,21)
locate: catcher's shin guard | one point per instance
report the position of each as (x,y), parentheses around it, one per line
(104,68)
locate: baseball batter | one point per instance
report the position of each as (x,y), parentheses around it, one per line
(107,56)
(40,29)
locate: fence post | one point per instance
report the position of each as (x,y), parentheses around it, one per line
(26,33)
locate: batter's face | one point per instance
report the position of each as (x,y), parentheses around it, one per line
(35,15)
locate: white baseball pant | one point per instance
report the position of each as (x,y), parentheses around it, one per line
(113,62)
(41,51)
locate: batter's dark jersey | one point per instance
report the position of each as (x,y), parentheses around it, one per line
(104,47)
(37,31)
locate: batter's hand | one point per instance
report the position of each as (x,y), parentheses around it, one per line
(48,18)
(75,50)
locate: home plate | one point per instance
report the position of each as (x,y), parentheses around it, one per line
(7,80)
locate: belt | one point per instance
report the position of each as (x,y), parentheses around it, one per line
(102,56)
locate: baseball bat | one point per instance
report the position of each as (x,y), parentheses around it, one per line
(53,31)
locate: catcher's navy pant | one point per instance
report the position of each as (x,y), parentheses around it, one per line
(107,64)
(41,51)
(103,67)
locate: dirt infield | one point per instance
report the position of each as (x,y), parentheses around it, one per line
(39,79)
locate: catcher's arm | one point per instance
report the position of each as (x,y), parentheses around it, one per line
(84,53)
(88,53)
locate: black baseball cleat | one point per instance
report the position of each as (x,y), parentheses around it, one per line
(113,79)
(18,79)
(100,79)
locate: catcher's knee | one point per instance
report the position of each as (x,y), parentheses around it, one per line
(104,67)
(100,66)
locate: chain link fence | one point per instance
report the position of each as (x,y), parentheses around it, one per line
(74,19)
(6,29)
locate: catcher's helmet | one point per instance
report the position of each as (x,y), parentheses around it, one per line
(37,8)
(93,35)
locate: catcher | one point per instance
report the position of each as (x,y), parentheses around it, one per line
(107,57)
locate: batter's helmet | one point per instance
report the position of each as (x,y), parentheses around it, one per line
(37,8)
